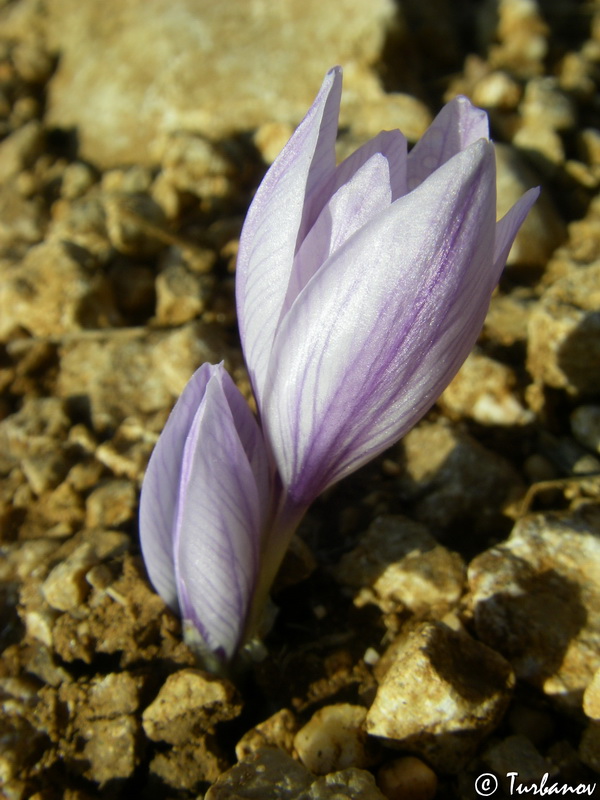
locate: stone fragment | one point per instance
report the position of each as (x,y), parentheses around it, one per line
(543,229)
(564,333)
(184,766)
(545,104)
(442,695)
(52,291)
(591,697)
(484,390)
(20,560)
(125,618)
(112,748)
(190,702)
(66,587)
(350,784)
(124,456)
(543,145)
(334,739)
(407,778)
(517,754)
(268,773)
(77,178)
(46,470)
(272,773)
(39,623)
(36,429)
(508,316)
(585,425)
(82,224)
(496,90)
(112,504)
(273,53)
(398,564)
(193,164)
(23,221)
(63,507)
(113,695)
(589,747)
(124,373)
(134,222)
(456,483)
(180,295)
(278,730)
(21,745)
(19,150)
(536,600)
(522,36)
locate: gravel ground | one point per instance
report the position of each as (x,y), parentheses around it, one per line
(439,611)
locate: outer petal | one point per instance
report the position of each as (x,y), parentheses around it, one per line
(458,125)
(383,327)
(161,487)
(285,206)
(223,502)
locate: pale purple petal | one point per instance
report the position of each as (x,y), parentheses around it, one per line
(458,125)
(367,193)
(158,500)
(285,206)
(220,518)
(352,368)
(507,227)
(392,145)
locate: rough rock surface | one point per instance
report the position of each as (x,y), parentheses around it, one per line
(132,138)
(176,75)
(274,774)
(536,600)
(398,565)
(441,694)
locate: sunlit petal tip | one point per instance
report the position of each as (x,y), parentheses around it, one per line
(285,205)
(457,126)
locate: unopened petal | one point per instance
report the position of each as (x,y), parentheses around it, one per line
(220,519)
(458,125)
(352,367)
(160,489)
(285,206)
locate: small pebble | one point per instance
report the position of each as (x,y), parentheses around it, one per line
(407,778)
(585,425)
(334,739)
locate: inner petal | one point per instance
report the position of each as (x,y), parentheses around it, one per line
(367,193)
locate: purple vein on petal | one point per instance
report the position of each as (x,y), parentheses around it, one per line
(219,524)
(160,489)
(458,125)
(388,338)
(367,193)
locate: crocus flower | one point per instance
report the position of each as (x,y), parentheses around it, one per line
(203,509)
(361,288)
